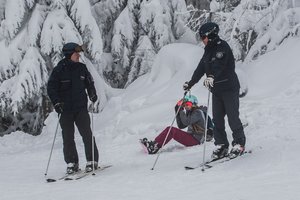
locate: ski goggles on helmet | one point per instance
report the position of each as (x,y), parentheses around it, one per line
(80,48)
(71,47)
(188,104)
(184,103)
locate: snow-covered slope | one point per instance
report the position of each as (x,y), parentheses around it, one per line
(271,109)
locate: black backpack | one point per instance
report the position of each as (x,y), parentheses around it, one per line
(210,124)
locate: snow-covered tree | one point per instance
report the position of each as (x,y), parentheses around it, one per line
(105,13)
(277,21)
(32,34)
(23,69)
(199,14)
(58,29)
(160,21)
(123,36)
(249,26)
(179,16)
(143,59)
(87,27)
(2,9)
(198,4)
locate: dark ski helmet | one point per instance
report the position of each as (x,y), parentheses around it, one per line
(71,47)
(210,30)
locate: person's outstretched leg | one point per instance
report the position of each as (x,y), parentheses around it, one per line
(180,136)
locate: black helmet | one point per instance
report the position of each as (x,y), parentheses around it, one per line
(71,47)
(210,30)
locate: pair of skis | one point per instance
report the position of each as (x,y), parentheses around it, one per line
(78,175)
(210,163)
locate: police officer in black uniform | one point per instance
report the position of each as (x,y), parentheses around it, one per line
(67,88)
(219,66)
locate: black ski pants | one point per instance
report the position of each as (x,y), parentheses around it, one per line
(82,121)
(227,103)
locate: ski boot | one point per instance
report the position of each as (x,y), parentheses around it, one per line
(144,143)
(72,168)
(151,147)
(221,151)
(236,151)
(89,166)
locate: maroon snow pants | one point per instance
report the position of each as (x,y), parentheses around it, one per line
(180,136)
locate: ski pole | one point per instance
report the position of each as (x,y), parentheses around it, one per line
(158,154)
(205,132)
(59,115)
(93,147)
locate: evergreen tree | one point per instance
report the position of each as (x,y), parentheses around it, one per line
(249,25)
(140,22)
(105,13)
(32,34)
(23,69)
(87,27)
(2,9)
(123,36)
(179,16)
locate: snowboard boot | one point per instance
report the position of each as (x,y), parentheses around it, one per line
(236,151)
(89,166)
(221,151)
(72,168)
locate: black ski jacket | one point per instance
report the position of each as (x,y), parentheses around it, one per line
(68,83)
(217,61)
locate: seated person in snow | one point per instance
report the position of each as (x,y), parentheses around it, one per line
(190,115)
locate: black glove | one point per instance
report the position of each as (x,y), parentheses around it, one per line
(59,107)
(177,107)
(179,104)
(94,98)
(186,86)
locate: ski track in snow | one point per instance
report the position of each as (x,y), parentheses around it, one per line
(144,109)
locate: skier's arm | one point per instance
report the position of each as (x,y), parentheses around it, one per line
(198,73)
(195,117)
(89,82)
(178,119)
(183,118)
(53,87)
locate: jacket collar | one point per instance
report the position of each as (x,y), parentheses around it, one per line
(212,43)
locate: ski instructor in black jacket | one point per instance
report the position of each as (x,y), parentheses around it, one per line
(219,66)
(67,88)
